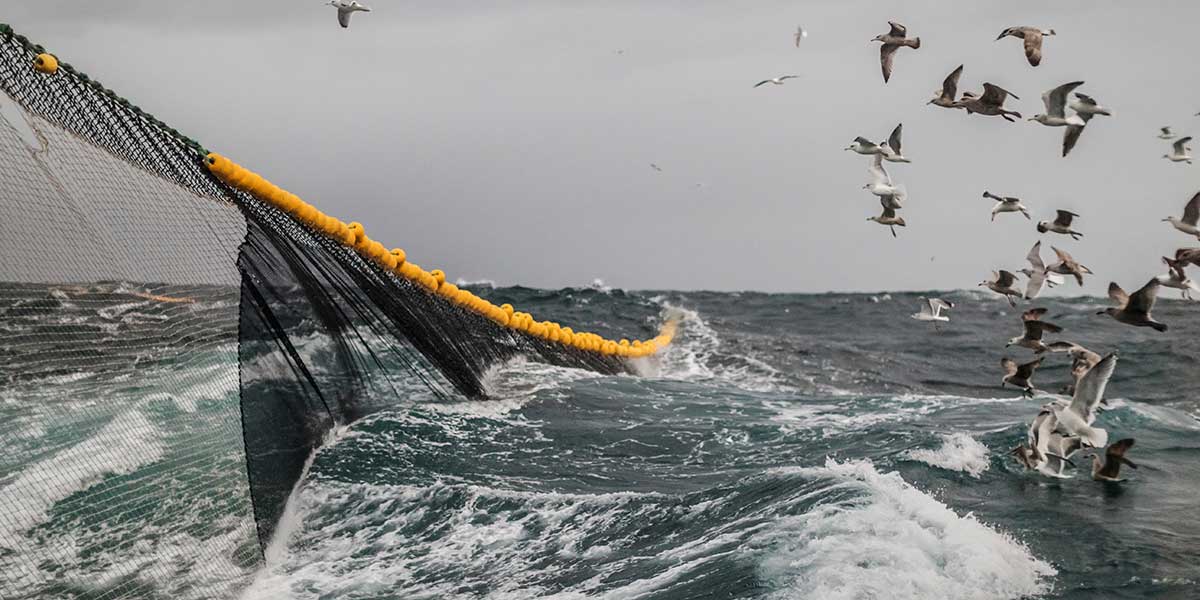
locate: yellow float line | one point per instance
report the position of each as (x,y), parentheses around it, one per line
(396,261)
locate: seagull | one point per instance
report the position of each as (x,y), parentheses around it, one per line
(1034,328)
(1061,224)
(1033,41)
(881,185)
(656,167)
(1056,102)
(1048,450)
(892,41)
(345,8)
(800,34)
(1037,272)
(1053,280)
(1086,105)
(931,310)
(1165,133)
(1076,418)
(891,148)
(1179,151)
(991,103)
(945,96)
(1135,308)
(1191,215)
(1113,457)
(1082,361)
(777,81)
(888,217)
(1188,255)
(1176,278)
(1021,375)
(1006,204)
(1002,283)
(862,145)
(1067,266)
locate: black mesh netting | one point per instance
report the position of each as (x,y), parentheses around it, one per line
(165,337)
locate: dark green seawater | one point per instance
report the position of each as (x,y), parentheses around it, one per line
(786,446)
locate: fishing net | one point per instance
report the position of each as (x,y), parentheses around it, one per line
(179,335)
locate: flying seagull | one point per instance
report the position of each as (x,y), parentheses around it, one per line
(931,310)
(1002,283)
(1020,376)
(1036,273)
(892,41)
(1061,224)
(1033,41)
(891,148)
(800,34)
(1006,204)
(1048,450)
(1034,328)
(656,167)
(1165,133)
(1177,278)
(345,8)
(1179,151)
(1055,101)
(1067,265)
(1076,418)
(1110,470)
(888,217)
(1086,105)
(862,145)
(777,81)
(1082,361)
(1134,309)
(945,97)
(1191,215)
(991,103)
(881,185)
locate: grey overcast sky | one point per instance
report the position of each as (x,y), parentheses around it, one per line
(512,141)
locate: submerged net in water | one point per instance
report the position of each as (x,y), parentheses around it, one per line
(178,335)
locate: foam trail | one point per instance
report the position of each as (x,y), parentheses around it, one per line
(892,542)
(75,469)
(959,452)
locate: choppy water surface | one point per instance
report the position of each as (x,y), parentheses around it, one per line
(787,446)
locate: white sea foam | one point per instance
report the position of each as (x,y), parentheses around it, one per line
(128,442)
(691,357)
(894,542)
(959,452)
(478,283)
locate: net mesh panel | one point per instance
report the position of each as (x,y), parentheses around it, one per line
(173,349)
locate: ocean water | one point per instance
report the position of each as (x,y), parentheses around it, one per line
(786,446)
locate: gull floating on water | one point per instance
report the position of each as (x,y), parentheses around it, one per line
(945,96)
(888,216)
(1002,283)
(991,103)
(891,148)
(1036,273)
(1165,133)
(800,34)
(931,310)
(1061,224)
(777,81)
(1179,151)
(1020,376)
(892,41)
(1067,265)
(345,8)
(1134,309)
(1191,216)
(1110,470)
(1035,327)
(1176,278)
(1033,41)
(1076,418)
(1006,204)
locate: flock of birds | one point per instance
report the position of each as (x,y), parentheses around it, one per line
(1062,427)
